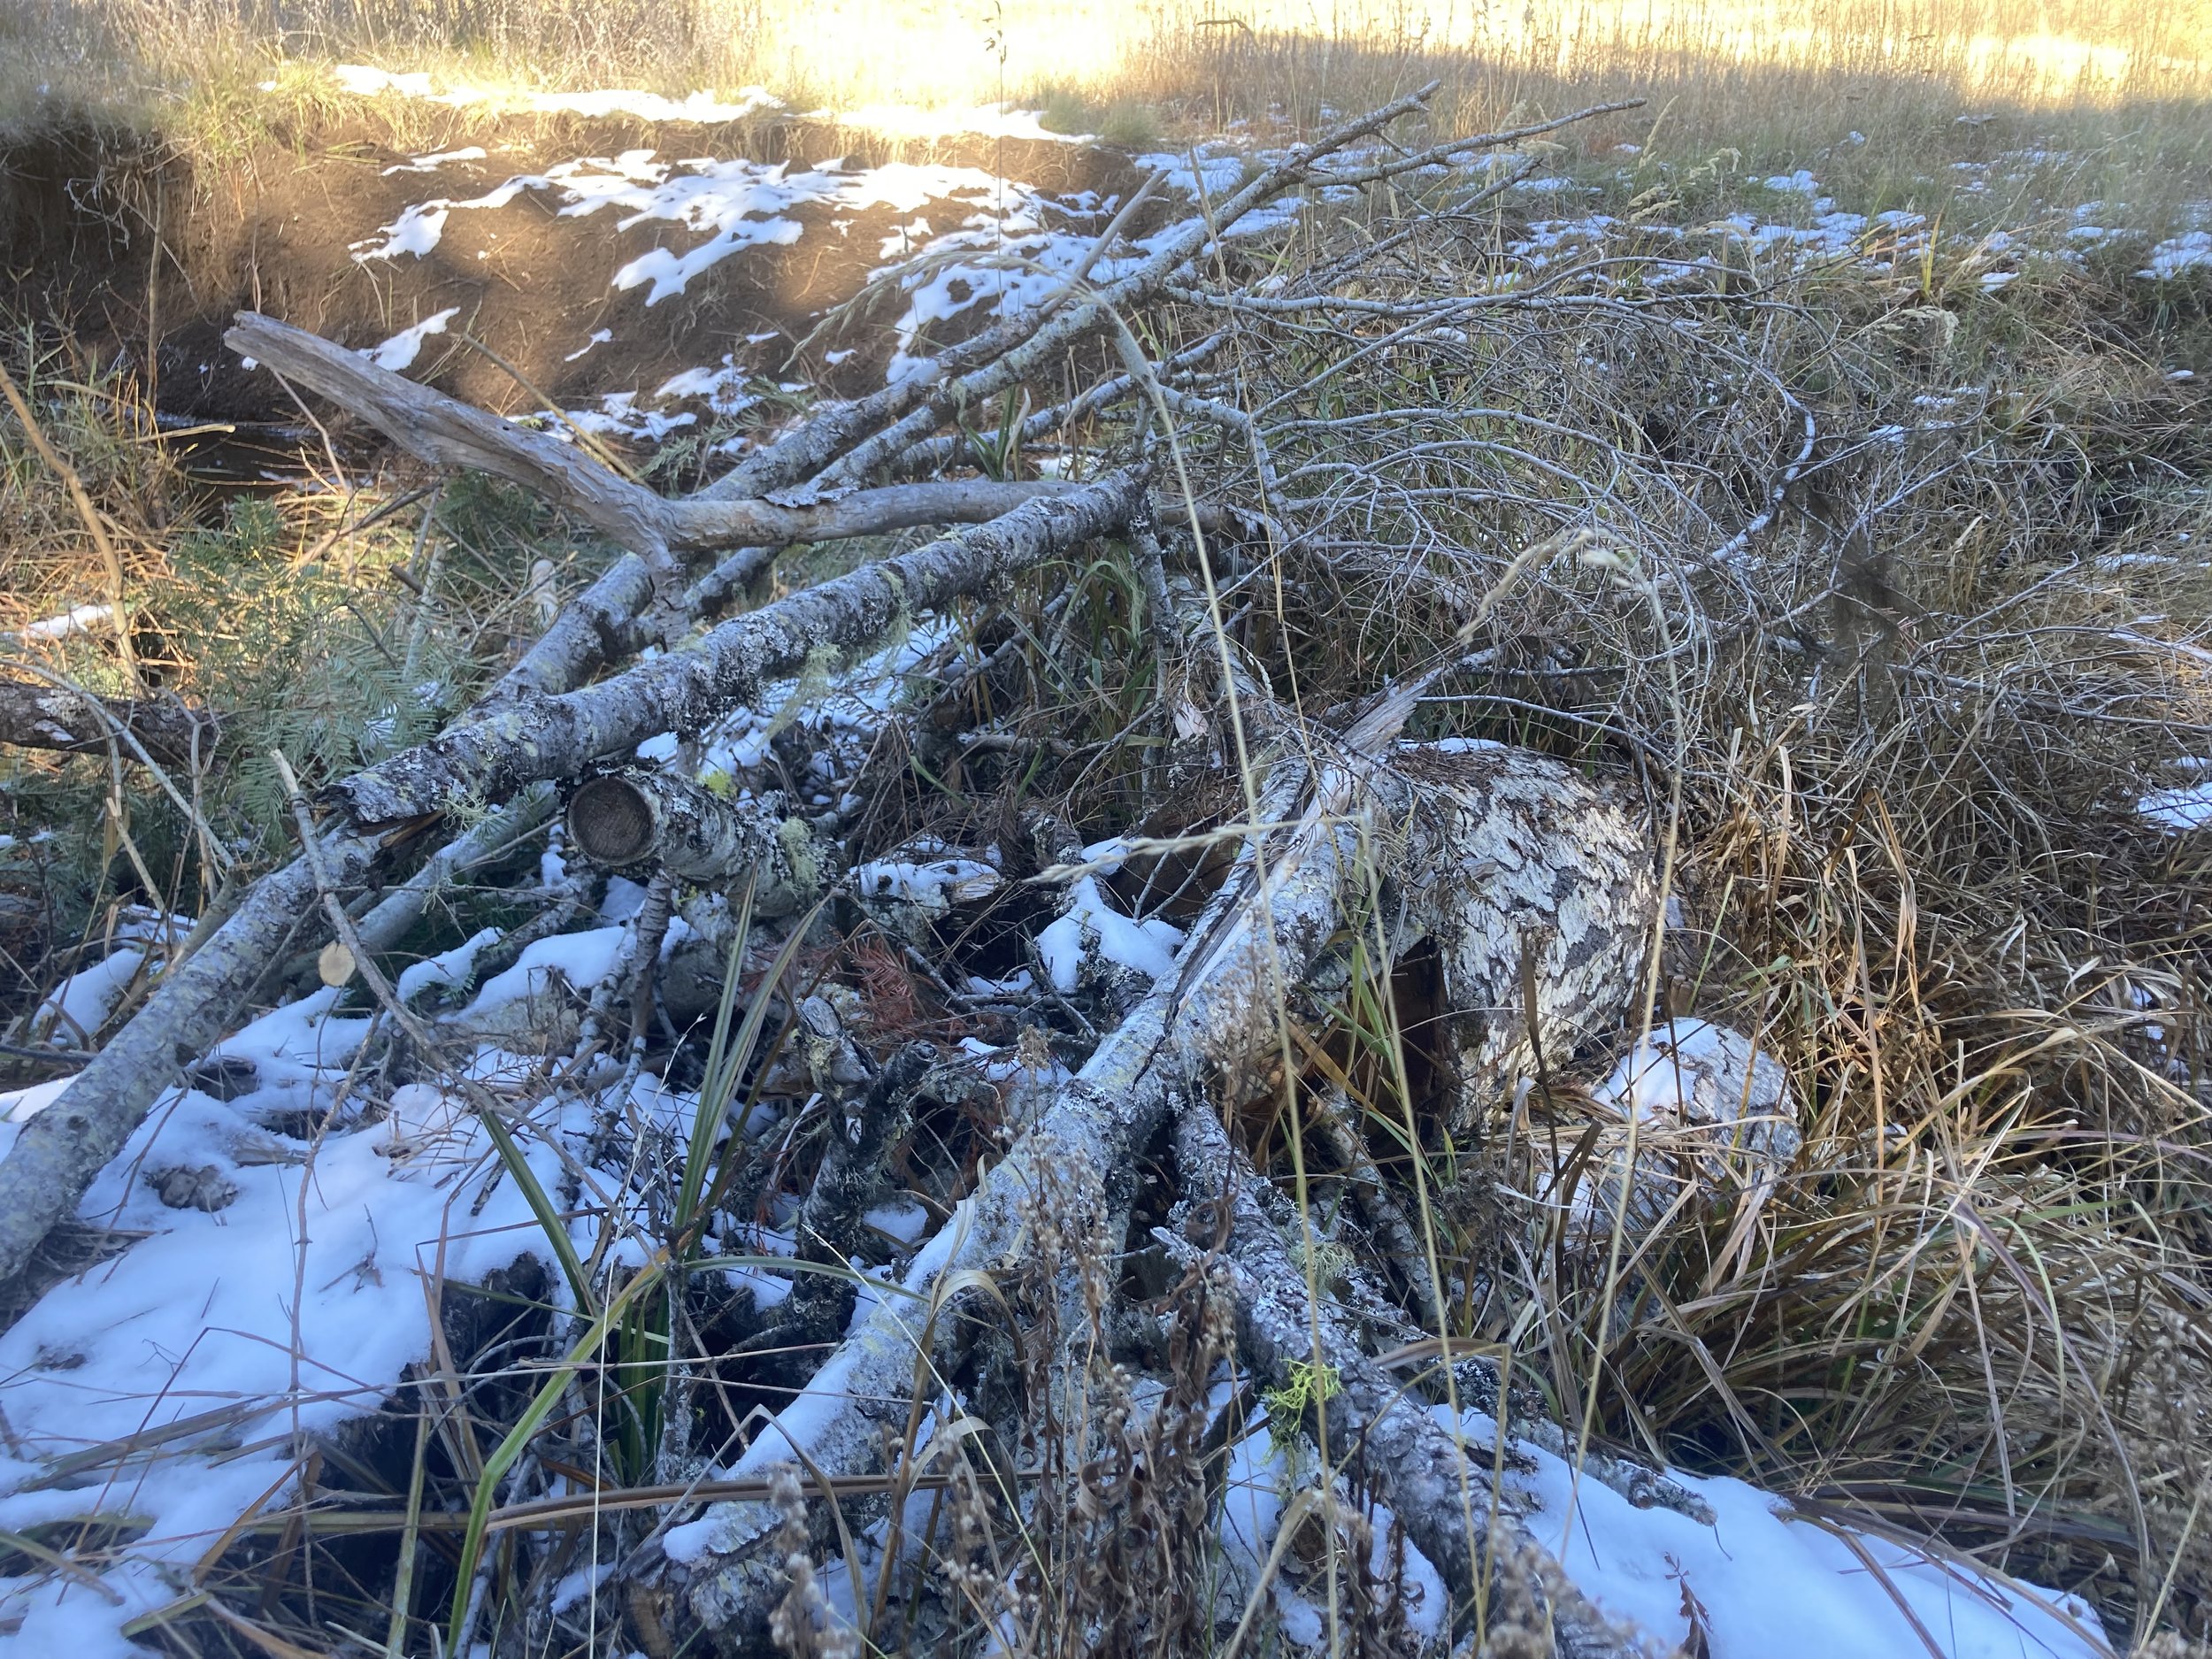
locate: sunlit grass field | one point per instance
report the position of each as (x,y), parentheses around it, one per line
(1713,69)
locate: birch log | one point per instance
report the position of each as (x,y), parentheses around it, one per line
(858,1402)
(60,1151)
(871,431)
(558,737)
(637,817)
(522,741)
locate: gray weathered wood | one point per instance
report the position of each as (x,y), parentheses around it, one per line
(637,819)
(444,432)
(1216,1017)
(1442,1495)
(60,1151)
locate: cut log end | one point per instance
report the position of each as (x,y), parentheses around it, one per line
(612,822)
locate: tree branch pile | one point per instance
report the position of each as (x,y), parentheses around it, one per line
(1227,856)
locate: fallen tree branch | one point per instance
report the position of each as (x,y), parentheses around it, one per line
(908,410)
(60,1151)
(638,817)
(444,432)
(1445,1499)
(558,736)
(528,739)
(171,731)
(1280,911)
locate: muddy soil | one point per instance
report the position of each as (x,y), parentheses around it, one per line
(120,242)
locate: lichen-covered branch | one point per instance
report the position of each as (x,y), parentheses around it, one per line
(558,737)
(640,818)
(1443,1496)
(1217,1014)
(60,1151)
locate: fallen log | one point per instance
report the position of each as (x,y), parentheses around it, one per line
(635,818)
(559,736)
(60,1151)
(519,741)
(443,431)
(172,732)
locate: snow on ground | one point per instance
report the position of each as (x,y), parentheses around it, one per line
(1770,1580)
(2170,258)
(81,1004)
(967,240)
(297,1298)
(964,242)
(1765,1579)
(401,351)
(293,1303)
(2186,807)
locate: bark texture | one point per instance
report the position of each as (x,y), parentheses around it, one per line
(1440,1493)
(561,736)
(858,1401)
(60,1151)
(1523,877)
(444,432)
(172,732)
(637,818)
(1214,1016)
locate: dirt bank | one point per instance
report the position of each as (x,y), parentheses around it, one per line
(603,260)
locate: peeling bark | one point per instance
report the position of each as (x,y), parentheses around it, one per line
(860,1397)
(1521,874)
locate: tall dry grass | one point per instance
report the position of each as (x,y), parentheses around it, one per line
(1716,71)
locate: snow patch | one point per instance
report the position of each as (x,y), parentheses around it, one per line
(400,352)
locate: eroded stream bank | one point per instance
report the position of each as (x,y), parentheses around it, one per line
(647,279)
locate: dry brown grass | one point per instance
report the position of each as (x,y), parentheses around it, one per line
(2120,87)
(1907,730)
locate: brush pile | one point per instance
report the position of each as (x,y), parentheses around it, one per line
(1439,888)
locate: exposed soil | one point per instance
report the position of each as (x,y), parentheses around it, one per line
(116,239)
